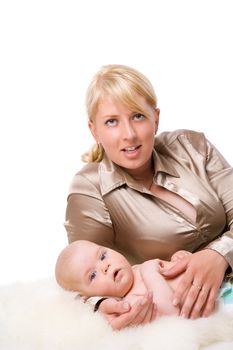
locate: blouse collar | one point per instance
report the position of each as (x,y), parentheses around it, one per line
(113,176)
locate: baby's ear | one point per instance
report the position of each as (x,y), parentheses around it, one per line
(80,296)
(161,265)
(83,298)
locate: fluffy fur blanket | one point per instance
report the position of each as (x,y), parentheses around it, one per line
(41,316)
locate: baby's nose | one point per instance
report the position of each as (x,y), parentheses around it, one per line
(105,268)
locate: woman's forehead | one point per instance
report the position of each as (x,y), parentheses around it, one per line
(134,103)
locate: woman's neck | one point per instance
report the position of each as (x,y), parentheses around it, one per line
(143,175)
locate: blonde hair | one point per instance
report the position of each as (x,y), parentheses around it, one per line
(121,83)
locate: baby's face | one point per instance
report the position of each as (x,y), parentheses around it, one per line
(100,271)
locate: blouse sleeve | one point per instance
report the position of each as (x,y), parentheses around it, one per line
(87,216)
(220,175)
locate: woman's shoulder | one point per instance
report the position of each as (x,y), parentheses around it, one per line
(86,179)
(182,137)
(88,170)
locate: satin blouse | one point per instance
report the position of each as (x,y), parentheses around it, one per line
(107,206)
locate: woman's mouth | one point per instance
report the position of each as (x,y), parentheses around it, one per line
(131,149)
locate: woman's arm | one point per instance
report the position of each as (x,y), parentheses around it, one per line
(86,214)
(220,175)
(156,283)
(88,218)
(204,270)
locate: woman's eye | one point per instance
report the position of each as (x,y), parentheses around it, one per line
(93,275)
(111,122)
(103,256)
(138,116)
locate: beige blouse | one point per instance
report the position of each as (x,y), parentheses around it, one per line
(105,205)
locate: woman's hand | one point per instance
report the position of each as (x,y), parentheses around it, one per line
(120,314)
(197,291)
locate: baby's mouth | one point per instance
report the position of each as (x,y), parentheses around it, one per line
(116,274)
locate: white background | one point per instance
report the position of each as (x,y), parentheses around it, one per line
(49,52)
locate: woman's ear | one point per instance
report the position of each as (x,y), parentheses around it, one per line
(93,131)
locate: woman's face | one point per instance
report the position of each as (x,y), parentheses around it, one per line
(126,136)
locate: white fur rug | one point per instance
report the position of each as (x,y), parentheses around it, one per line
(41,316)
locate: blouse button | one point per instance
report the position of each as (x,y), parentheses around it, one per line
(171,186)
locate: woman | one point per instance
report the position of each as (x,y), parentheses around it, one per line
(149,195)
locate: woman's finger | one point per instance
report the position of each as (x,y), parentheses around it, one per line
(136,316)
(113,306)
(182,289)
(190,300)
(154,313)
(177,269)
(210,304)
(141,310)
(201,300)
(148,313)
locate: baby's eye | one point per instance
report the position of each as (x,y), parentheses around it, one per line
(102,256)
(93,275)
(138,116)
(111,122)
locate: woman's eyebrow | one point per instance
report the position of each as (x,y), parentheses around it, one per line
(110,116)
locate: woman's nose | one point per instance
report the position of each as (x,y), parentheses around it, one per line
(127,131)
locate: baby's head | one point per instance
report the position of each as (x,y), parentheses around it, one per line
(93,270)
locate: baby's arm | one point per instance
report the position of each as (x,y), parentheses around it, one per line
(162,292)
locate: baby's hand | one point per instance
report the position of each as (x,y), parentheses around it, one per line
(179,255)
(154,264)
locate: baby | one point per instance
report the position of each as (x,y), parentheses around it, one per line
(93,270)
